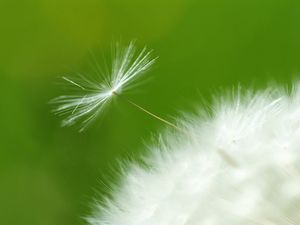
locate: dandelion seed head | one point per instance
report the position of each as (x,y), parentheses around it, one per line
(189,179)
(126,67)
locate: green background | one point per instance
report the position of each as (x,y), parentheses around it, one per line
(48,174)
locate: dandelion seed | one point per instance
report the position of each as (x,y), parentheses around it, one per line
(127,66)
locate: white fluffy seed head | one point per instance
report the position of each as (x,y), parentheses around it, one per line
(238,166)
(126,67)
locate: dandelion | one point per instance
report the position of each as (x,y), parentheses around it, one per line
(127,66)
(238,165)
(186,181)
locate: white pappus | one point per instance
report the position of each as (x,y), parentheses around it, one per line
(126,67)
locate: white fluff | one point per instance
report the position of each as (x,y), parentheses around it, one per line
(239,165)
(126,67)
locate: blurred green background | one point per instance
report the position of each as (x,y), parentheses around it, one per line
(49,175)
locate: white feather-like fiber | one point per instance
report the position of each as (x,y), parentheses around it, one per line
(127,66)
(239,165)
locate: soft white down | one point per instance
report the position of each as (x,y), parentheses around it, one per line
(236,165)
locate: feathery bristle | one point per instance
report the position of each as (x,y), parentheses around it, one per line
(127,66)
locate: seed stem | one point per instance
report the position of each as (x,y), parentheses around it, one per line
(147,112)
